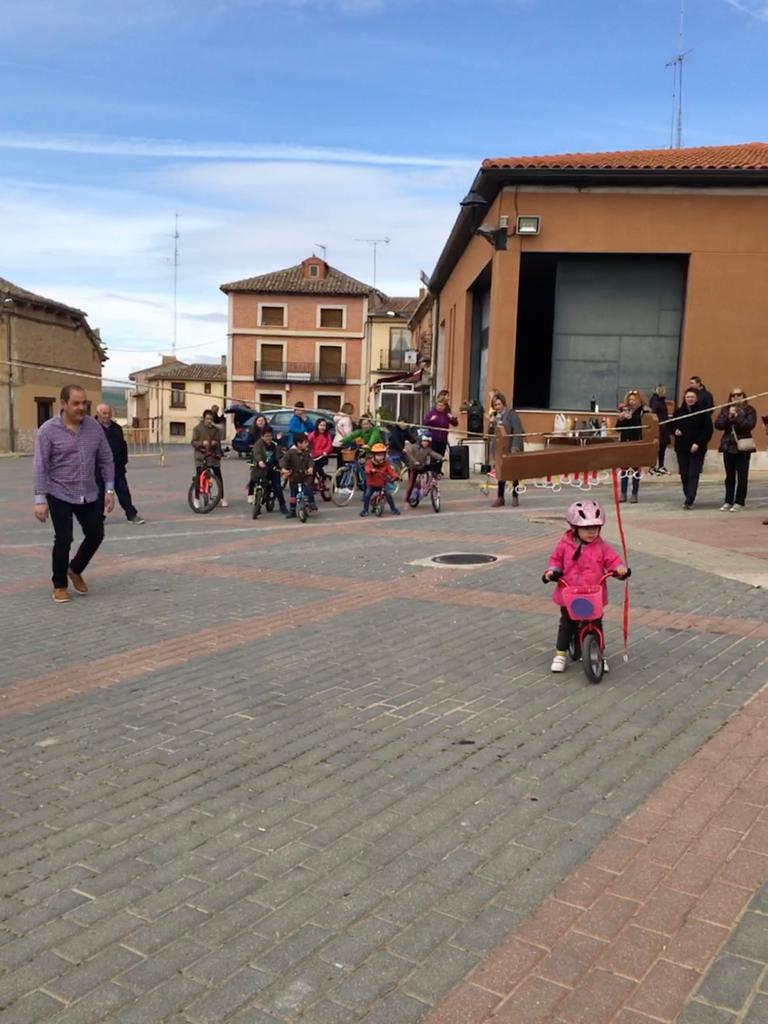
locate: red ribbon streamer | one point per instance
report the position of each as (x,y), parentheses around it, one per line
(625,624)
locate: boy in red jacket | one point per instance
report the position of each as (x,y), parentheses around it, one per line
(379,471)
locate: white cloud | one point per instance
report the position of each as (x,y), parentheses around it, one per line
(101,145)
(107,249)
(757,9)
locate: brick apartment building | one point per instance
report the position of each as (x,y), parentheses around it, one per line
(298,334)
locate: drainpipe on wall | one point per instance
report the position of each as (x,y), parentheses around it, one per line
(7,303)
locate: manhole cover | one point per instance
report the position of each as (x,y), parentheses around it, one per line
(464,559)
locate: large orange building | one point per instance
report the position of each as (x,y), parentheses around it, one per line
(297,335)
(567,280)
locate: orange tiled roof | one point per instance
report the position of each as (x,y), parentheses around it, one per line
(747,156)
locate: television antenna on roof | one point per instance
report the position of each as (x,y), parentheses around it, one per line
(319,245)
(375,243)
(677,62)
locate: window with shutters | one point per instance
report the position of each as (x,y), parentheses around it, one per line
(333,317)
(272,316)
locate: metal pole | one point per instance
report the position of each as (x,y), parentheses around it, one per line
(9,356)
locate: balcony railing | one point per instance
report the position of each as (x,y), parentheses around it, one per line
(398,360)
(309,373)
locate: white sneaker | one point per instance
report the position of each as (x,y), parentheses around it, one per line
(250,499)
(223,504)
(726,508)
(559,663)
(605,665)
(737,508)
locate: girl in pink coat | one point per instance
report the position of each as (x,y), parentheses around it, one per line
(581,558)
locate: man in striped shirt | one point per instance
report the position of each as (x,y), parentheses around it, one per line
(68,449)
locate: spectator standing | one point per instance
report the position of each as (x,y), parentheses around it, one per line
(119,449)
(692,435)
(706,401)
(737,421)
(630,422)
(220,422)
(69,448)
(658,406)
(300,422)
(439,419)
(206,443)
(509,419)
(342,425)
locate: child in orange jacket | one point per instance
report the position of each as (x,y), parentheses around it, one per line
(379,472)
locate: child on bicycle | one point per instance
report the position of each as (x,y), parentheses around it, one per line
(264,466)
(320,444)
(581,558)
(297,466)
(379,472)
(421,458)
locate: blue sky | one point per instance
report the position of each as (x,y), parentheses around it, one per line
(274,125)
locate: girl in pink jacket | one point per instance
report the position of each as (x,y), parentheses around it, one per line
(581,558)
(320,444)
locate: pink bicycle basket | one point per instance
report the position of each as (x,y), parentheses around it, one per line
(584,604)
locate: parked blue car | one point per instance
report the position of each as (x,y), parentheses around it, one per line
(278,419)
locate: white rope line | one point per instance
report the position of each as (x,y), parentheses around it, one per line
(163,386)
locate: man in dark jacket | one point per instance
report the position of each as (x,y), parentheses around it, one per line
(706,400)
(116,441)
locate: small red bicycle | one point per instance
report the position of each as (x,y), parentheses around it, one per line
(584,605)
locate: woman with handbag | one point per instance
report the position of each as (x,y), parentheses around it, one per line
(737,421)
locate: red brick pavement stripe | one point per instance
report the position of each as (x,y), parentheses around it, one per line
(24,695)
(628,936)
(27,694)
(755,629)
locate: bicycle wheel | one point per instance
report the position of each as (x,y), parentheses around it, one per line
(323,484)
(258,498)
(205,498)
(301,509)
(269,501)
(415,498)
(378,507)
(592,659)
(344,483)
(435,496)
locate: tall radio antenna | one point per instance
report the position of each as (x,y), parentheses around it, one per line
(677,62)
(374,243)
(175,277)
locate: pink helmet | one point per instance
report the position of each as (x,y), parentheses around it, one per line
(585,513)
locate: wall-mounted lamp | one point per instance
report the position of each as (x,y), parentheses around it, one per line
(528,225)
(473,200)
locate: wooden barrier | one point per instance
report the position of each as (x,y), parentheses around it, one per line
(585,455)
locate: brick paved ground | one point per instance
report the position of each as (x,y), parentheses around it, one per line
(279,773)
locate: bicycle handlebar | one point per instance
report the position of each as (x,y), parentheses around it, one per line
(557,577)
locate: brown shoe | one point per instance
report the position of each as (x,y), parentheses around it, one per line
(515,501)
(77,582)
(61,595)
(498,503)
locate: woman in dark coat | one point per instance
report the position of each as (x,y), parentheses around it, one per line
(737,421)
(692,435)
(630,423)
(658,406)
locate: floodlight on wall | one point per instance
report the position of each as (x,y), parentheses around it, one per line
(527,225)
